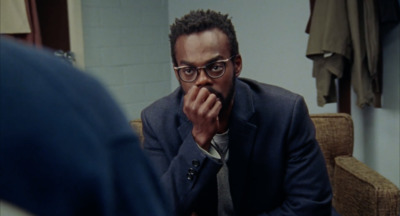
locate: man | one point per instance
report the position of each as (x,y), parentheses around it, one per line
(65,146)
(229,146)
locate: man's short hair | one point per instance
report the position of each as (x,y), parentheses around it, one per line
(198,21)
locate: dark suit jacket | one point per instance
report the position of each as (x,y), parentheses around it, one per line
(275,164)
(65,146)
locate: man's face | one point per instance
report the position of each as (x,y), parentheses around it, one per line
(199,49)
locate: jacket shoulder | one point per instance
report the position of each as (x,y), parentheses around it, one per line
(163,107)
(267,91)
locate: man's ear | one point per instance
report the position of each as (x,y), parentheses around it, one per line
(237,62)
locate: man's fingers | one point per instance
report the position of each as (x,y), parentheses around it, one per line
(214,111)
(192,93)
(188,100)
(197,101)
(202,96)
(206,108)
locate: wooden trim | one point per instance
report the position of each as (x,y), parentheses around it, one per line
(53,21)
(76,31)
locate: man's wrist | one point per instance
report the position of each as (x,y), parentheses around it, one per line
(204,143)
(211,152)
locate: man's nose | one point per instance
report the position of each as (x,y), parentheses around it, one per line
(203,79)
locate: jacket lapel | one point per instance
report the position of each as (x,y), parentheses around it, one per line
(242,133)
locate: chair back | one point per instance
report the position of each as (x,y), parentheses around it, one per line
(334,133)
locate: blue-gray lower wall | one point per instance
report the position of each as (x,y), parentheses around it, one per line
(127,48)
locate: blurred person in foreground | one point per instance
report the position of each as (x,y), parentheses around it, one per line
(65,147)
(225,145)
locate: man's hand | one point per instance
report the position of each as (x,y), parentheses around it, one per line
(202,109)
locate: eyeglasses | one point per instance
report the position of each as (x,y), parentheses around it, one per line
(214,70)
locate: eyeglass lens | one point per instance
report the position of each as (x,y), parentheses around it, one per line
(213,70)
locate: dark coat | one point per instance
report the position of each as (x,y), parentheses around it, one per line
(65,146)
(275,164)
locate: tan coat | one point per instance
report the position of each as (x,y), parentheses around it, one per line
(344,37)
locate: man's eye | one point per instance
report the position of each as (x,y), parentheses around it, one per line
(188,71)
(216,67)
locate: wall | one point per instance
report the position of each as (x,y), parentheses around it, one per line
(377,138)
(272,42)
(126,48)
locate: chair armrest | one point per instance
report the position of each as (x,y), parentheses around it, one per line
(359,190)
(138,128)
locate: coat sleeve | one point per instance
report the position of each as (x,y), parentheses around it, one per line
(137,190)
(182,167)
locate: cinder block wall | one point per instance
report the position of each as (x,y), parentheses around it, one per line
(126,47)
